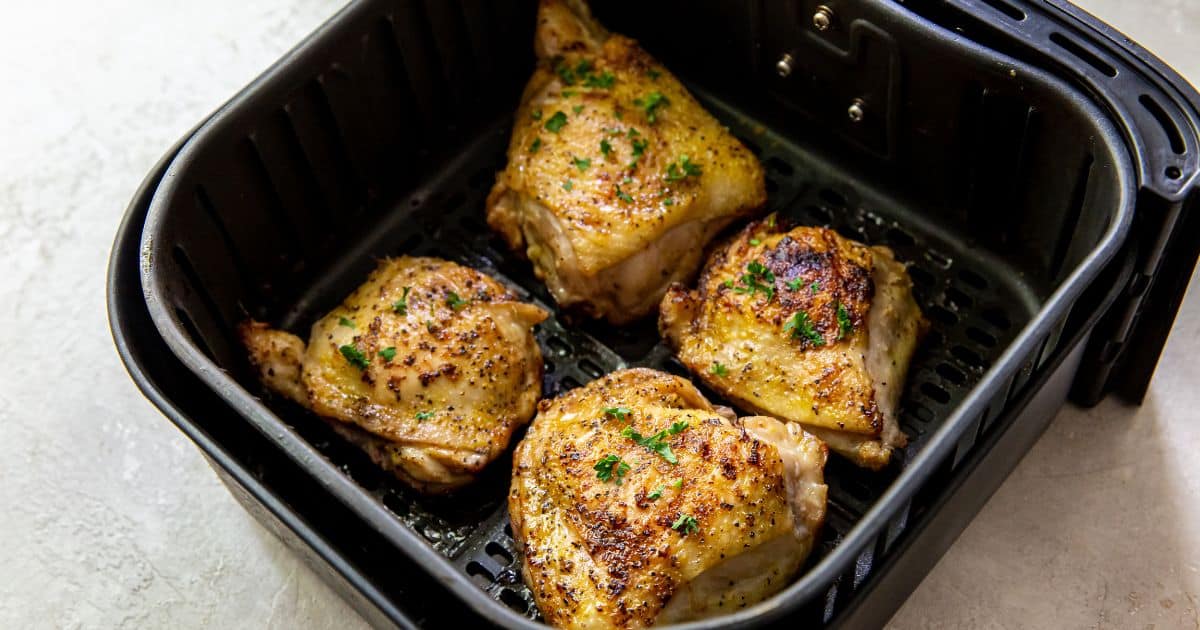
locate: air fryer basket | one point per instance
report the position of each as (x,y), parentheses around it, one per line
(1005,189)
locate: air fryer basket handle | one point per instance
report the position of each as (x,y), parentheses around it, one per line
(1160,113)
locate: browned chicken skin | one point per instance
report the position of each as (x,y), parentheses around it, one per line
(616,176)
(637,502)
(429,366)
(806,326)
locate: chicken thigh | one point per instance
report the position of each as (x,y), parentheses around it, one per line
(806,326)
(616,176)
(429,367)
(636,502)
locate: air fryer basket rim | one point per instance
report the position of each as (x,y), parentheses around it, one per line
(918,470)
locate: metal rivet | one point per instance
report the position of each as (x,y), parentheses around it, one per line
(857,110)
(823,18)
(784,65)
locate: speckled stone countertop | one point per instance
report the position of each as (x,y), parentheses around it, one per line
(111,519)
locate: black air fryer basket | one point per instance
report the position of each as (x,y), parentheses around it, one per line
(1035,169)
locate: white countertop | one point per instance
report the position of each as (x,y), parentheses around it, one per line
(112,519)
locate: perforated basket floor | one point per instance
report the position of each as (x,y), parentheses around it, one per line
(975,303)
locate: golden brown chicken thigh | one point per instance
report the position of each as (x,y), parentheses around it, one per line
(636,502)
(429,366)
(806,326)
(616,176)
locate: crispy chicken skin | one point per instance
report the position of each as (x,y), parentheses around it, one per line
(429,367)
(725,527)
(597,191)
(806,326)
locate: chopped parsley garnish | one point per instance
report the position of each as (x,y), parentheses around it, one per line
(718,369)
(656,495)
(604,80)
(581,163)
(605,147)
(845,326)
(568,185)
(650,105)
(565,73)
(619,114)
(759,279)
(620,413)
(683,169)
(455,302)
(388,353)
(583,67)
(755,241)
(355,357)
(639,148)
(568,93)
(342,321)
(401,306)
(611,468)
(536,114)
(537,144)
(556,122)
(424,415)
(623,196)
(577,109)
(685,524)
(794,285)
(677,484)
(802,326)
(653,74)
(771,220)
(657,443)
(728,284)
(814,287)
(669,202)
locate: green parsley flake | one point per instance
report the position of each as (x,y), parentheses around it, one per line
(620,413)
(719,370)
(565,73)
(583,67)
(401,306)
(685,524)
(388,353)
(795,284)
(568,93)
(611,468)
(845,326)
(657,443)
(632,133)
(354,357)
(342,321)
(759,279)
(605,147)
(656,495)
(556,122)
(650,105)
(677,484)
(684,168)
(536,114)
(619,114)
(623,196)
(604,80)
(802,326)
(577,109)
(424,415)
(537,144)
(755,241)
(581,163)
(669,202)
(814,287)
(568,185)
(653,74)
(455,302)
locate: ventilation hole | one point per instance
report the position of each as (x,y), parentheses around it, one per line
(898,237)
(781,167)
(498,553)
(1006,9)
(199,289)
(958,298)
(942,316)
(514,600)
(973,279)
(922,413)
(673,366)
(568,383)
(997,318)
(819,214)
(935,392)
(754,148)
(978,336)
(559,347)
(938,258)
(396,503)
(549,365)
(480,575)
(589,367)
(951,373)
(194,333)
(920,276)
(772,186)
(832,198)
(1173,172)
(508,530)
(1089,57)
(1168,126)
(968,356)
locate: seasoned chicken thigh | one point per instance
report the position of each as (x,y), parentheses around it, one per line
(636,502)
(429,367)
(616,176)
(806,326)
